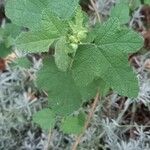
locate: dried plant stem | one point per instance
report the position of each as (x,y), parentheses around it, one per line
(132,119)
(90,115)
(48,142)
(96,10)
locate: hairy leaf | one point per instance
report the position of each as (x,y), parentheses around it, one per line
(73,124)
(35,41)
(111,36)
(64,8)
(26,13)
(64,96)
(39,41)
(107,58)
(45,118)
(98,85)
(10,32)
(121,11)
(62,59)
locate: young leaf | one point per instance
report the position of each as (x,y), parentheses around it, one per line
(73,124)
(107,59)
(45,118)
(121,11)
(62,59)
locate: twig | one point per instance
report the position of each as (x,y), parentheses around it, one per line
(48,142)
(96,11)
(132,118)
(90,115)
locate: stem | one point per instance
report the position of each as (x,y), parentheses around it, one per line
(96,11)
(90,115)
(132,118)
(48,142)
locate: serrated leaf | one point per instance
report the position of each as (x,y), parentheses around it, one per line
(77,22)
(62,59)
(39,41)
(78,27)
(35,41)
(121,11)
(11,31)
(64,97)
(112,36)
(53,24)
(73,124)
(65,9)
(45,118)
(92,62)
(98,85)
(26,13)
(107,58)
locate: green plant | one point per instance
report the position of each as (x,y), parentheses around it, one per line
(87,60)
(7,36)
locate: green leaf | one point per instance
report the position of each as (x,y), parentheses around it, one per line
(133,4)
(26,13)
(78,27)
(45,118)
(111,36)
(64,97)
(107,58)
(146,1)
(62,59)
(4,51)
(22,62)
(35,41)
(11,31)
(65,9)
(73,124)
(121,11)
(98,85)
(39,41)
(92,62)
(52,23)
